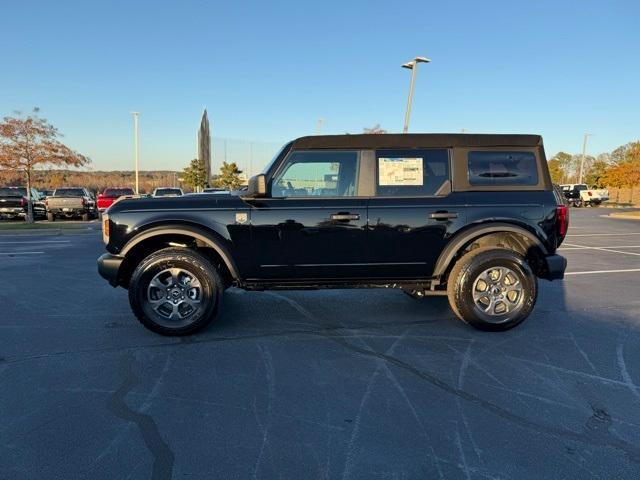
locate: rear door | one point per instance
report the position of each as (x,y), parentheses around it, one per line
(314,224)
(412,213)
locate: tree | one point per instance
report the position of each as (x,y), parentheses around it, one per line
(229,177)
(375,129)
(563,166)
(29,143)
(195,175)
(595,175)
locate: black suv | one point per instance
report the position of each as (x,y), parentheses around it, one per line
(471,217)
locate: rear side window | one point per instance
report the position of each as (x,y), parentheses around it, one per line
(412,173)
(117,192)
(502,168)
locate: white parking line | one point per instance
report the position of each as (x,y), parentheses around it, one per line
(21,253)
(599,246)
(603,249)
(36,241)
(602,234)
(603,271)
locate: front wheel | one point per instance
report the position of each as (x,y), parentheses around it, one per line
(492,289)
(175,291)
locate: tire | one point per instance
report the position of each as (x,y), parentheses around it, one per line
(85,217)
(51,217)
(160,268)
(498,312)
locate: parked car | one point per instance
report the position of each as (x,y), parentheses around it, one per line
(168,192)
(70,202)
(579,194)
(110,195)
(14,203)
(471,217)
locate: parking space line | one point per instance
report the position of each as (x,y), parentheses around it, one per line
(602,249)
(21,253)
(603,271)
(35,241)
(596,247)
(602,234)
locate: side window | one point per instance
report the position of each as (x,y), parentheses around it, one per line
(502,168)
(317,173)
(412,173)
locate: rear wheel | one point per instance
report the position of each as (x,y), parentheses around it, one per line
(492,289)
(175,291)
(51,217)
(85,217)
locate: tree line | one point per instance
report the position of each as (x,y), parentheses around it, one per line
(618,169)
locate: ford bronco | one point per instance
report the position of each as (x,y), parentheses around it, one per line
(471,217)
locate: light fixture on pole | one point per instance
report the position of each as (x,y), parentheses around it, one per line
(584,154)
(136,148)
(413,66)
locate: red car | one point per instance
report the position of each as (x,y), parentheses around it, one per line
(110,195)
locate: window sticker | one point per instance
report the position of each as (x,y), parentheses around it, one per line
(400,171)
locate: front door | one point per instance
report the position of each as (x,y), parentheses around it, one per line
(412,213)
(313,226)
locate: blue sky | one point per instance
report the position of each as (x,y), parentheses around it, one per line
(267,71)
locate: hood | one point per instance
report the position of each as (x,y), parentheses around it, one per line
(185,202)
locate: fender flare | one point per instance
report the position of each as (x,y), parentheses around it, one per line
(205,237)
(459,240)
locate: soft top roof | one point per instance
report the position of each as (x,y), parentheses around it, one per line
(416,140)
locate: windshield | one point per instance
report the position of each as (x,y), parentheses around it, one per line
(68,192)
(117,192)
(275,157)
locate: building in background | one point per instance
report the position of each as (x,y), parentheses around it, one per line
(204,144)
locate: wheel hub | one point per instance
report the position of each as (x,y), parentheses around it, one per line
(174,294)
(498,291)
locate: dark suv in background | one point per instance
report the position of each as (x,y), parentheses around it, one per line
(471,217)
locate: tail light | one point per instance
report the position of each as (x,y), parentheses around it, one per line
(46,202)
(562,220)
(590,193)
(84,202)
(23,202)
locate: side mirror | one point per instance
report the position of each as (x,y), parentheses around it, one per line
(257,187)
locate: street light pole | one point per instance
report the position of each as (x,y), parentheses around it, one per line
(136,147)
(413,66)
(584,154)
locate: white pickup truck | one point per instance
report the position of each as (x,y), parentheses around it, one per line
(578,195)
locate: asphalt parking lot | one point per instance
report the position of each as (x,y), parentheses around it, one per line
(332,384)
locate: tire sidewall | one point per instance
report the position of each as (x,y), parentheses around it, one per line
(465,282)
(149,268)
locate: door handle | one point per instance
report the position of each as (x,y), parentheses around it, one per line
(443,215)
(342,217)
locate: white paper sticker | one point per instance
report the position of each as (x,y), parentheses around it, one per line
(400,171)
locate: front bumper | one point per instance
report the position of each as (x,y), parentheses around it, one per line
(108,267)
(554,267)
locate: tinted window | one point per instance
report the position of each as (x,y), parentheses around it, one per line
(163,192)
(315,173)
(412,172)
(69,192)
(10,192)
(118,192)
(502,168)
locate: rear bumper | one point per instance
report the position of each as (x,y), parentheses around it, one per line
(108,267)
(554,267)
